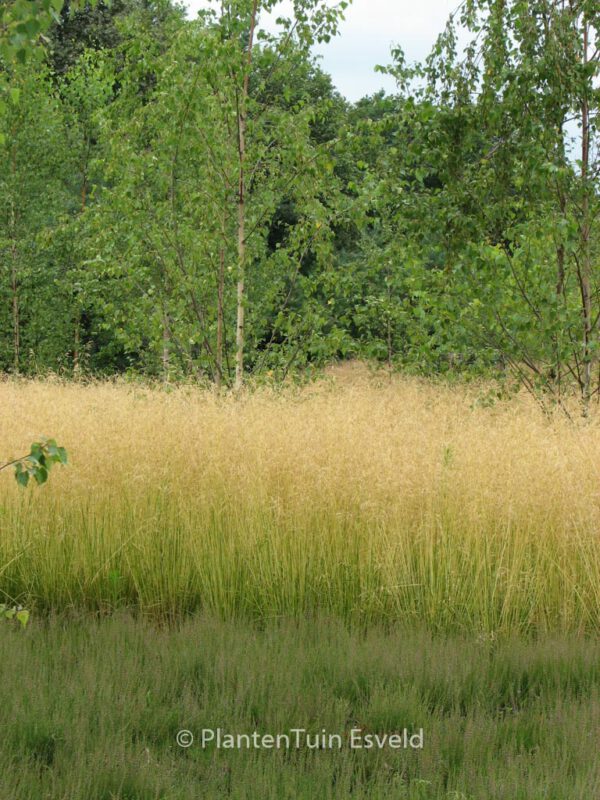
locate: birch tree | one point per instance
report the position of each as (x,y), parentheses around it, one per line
(238,20)
(505,166)
(203,167)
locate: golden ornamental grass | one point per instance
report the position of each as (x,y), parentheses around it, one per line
(398,501)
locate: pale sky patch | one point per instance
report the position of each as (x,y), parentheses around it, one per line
(367,35)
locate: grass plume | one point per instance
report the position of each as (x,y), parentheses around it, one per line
(405,502)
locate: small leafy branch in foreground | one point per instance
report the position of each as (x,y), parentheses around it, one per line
(17,613)
(38,463)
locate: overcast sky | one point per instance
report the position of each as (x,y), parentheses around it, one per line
(370,29)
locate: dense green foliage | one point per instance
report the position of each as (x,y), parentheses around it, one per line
(160,176)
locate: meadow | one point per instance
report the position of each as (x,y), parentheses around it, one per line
(403,503)
(91,711)
(360,553)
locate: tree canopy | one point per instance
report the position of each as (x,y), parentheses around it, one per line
(193,198)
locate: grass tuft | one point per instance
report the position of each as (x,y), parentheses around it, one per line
(407,503)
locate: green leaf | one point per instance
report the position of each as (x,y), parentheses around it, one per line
(23,617)
(41,475)
(36,451)
(22,476)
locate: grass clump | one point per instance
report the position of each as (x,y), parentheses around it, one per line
(407,502)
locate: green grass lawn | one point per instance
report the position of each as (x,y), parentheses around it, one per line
(91,710)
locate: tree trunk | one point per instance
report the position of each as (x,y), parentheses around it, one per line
(14,275)
(241,285)
(241,289)
(166,348)
(585,266)
(390,348)
(560,266)
(15,309)
(77,335)
(77,344)
(220,294)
